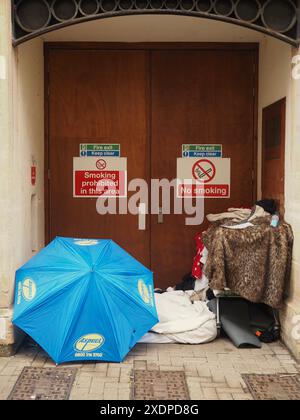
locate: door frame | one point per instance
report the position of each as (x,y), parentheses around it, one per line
(149,46)
(281,106)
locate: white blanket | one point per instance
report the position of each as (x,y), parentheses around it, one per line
(181,321)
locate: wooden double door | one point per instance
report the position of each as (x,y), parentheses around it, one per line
(151,100)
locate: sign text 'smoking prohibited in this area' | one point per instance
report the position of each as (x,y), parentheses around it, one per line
(203,178)
(94,177)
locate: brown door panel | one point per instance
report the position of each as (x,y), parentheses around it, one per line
(183,96)
(97,97)
(199,97)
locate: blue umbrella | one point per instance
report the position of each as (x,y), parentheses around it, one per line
(84,299)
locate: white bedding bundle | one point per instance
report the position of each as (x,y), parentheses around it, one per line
(181,321)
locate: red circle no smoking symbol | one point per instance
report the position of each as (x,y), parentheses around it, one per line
(101,164)
(204,170)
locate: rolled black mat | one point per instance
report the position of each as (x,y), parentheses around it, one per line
(236,322)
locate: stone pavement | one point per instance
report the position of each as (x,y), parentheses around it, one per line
(213,371)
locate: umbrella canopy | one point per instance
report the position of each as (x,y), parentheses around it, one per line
(83,299)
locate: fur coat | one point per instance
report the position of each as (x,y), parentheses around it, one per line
(254,263)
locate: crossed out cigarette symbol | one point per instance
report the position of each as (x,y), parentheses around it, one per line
(204,170)
(101,164)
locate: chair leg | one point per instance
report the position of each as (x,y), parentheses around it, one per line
(219,326)
(277,326)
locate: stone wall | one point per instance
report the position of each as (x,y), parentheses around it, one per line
(7,241)
(21,145)
(290,314)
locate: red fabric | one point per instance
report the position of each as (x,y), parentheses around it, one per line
(197,265)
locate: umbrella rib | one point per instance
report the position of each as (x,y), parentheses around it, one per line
(46,268)
(36,303)
(103,250)
(131,297)
(108,309)
(137,301)
(72,250)
(76,316)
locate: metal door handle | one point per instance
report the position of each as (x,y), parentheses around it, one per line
(142,216)
(160,218)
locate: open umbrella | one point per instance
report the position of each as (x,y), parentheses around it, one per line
(83,299)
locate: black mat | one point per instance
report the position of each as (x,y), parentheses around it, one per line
(236,322)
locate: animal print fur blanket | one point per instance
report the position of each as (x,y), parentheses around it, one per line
(254,263)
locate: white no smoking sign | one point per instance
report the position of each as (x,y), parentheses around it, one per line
(203,178)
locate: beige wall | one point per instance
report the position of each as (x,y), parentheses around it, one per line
(274,83)
(29,144)
(21,142)
(6,178)
(290,315)
(22,130)
(155,28)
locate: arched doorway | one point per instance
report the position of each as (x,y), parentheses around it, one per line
(158,245)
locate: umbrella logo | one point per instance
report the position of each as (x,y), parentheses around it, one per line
(28,289)
(144,291)
(89,342)
(86,242)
